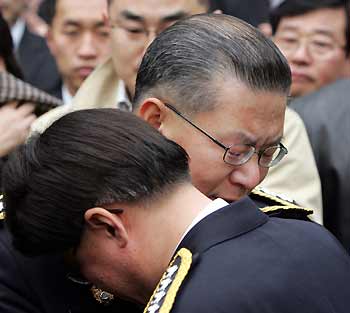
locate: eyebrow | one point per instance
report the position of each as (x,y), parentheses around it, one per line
(71,23)
(74,23)
(246,139)
(314,32)
(168,18)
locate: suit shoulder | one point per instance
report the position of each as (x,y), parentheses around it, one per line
(275,205)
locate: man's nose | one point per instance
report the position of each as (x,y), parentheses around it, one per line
(301,54)
(247,175)
(87,47)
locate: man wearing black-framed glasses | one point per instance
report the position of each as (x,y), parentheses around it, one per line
(239,154)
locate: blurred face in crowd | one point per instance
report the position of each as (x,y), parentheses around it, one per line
(12,9)
(79,39)
(136,23)
(314,45)
(241,117)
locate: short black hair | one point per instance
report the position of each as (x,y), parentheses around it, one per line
(186,61)
(7,49)
(85,159)
(299,7)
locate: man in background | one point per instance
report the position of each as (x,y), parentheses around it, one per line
(79,41)
(314,37)
(32,53)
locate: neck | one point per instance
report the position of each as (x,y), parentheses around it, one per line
(168,222)
(71,89)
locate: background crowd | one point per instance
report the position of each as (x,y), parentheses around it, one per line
(55,45)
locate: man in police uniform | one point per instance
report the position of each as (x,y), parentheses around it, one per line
(120,215)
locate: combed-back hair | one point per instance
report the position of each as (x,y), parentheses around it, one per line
(299,7)
(85,159)
(187,63)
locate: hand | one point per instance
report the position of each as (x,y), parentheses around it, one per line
(14,125)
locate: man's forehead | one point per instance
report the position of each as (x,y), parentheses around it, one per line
(157,9)
(81,10)
(324,21)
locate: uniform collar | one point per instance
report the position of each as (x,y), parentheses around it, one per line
(231,221)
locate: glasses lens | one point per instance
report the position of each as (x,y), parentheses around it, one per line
(272,155)
(238,154)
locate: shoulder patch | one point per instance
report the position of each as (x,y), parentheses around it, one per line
(279,206)
(296,212)
(2,213)
(273,198)
(164,295)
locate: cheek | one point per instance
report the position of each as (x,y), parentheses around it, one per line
(207,170)
(263,173)
(329,71)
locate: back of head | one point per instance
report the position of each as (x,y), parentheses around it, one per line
(86,159)
(190,59)
(289,8)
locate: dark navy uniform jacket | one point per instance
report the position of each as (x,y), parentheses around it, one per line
(247,262)
(41,285)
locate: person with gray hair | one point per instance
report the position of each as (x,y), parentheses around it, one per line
(134,25)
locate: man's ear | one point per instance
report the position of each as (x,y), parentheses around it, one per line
(153,111)
(108,223)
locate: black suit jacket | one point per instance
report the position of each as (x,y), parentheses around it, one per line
(326,115)
(38,65)
(246,262)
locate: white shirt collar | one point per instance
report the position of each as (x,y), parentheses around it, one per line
(122,97)
(66,95)
(213,206)
(17,31)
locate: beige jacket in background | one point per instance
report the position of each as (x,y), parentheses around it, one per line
(296,176)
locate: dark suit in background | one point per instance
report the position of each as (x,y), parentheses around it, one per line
(254,12)
(38,65)
(326,115)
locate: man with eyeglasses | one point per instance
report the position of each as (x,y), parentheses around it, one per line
(314,37)
(239,154)
(134,25)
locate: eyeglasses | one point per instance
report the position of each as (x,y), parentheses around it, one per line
(238,154)
(318,47)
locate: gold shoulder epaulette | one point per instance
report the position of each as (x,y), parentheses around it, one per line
(2,213)
(164,295)
(280,206)
(273,198)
